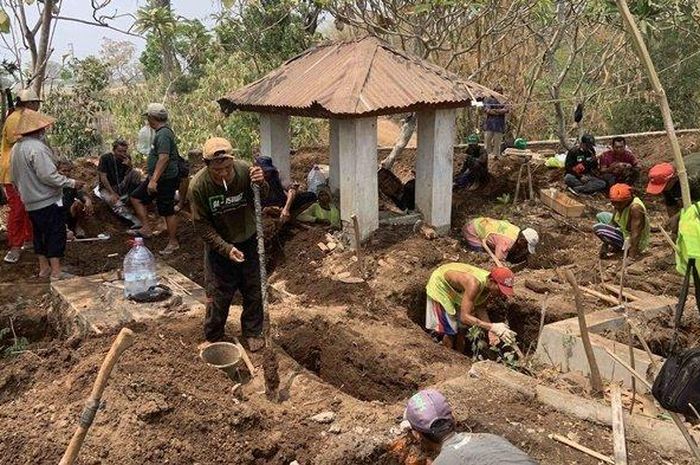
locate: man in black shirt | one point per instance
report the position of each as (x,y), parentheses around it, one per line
(117,180)
(581,168)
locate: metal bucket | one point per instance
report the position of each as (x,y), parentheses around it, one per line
(224,356)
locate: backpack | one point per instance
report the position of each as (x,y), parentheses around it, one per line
(678,383)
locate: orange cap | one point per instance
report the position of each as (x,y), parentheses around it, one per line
(504,278)
(659,176)
(620,192)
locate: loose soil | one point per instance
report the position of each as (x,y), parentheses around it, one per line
(357,350)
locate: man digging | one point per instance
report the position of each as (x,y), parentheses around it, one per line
(221,199)
(630,221)
(457,294)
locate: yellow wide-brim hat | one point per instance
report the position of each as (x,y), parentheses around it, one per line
(32,121)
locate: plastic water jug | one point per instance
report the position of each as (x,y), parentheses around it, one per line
(139,269)
(315,179)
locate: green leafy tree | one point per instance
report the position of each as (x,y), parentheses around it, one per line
(75,132)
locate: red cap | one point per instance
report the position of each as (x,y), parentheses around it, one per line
(620,192)
(659,176)
(504,278)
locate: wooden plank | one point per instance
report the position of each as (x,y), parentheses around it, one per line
(579,447)
(604,297)
(626,294)
(618,426)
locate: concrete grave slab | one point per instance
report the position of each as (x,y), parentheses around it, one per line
(94,304)
(560,343)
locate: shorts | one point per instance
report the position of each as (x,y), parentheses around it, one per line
(49,225)
(438,320)
(609,235)
(164,196)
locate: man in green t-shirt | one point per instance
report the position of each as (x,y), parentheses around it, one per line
(163,178)
(221,199)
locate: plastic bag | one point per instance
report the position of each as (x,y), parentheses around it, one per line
(316,178)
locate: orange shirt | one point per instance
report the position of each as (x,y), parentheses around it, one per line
(9,137)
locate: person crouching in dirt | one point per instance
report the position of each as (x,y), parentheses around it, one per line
(432,424)
(629,222)
(285,202)
(77,205)
(223,211)
(457,294)
(117,179)
(40,186)
(322,212)
(507,241)
(475,170)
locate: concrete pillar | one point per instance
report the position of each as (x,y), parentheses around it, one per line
(359,192)
(274,142)
(333,158)
(436,135)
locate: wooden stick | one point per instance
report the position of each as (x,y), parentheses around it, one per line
(596,379)
(626,294)
(491,254)
(358,249)
(667,236)
(517,185)
(584,449)
(635,329)
(606,298)
(529,181)
(674,416)
(244,356)
(124,340)
(645,58)
(625,257)
(618,426)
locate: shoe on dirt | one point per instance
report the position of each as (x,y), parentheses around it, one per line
(255,343)
(169,250)
(12,256)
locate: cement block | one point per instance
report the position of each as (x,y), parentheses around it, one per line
(560,343)
(94,304)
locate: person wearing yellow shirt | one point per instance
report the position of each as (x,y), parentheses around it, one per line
(19,226)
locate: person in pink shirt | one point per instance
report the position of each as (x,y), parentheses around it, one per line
(618,164)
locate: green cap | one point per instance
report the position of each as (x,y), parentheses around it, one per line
(520,143)
(473,139)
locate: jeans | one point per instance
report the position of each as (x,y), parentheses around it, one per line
(224,278)
(585,184)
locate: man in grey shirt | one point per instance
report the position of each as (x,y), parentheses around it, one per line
(40,186)
(431,420)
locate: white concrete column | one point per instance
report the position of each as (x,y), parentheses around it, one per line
(274,142)
(334,156)
(436,136)
(359,192)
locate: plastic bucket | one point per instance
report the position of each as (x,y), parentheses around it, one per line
(224,356)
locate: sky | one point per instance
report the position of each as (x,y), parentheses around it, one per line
(83,40)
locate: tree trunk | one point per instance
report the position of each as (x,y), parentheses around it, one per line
(407,129)
(645,58)
(43,51)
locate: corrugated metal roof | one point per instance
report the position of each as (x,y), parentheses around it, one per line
(359,78)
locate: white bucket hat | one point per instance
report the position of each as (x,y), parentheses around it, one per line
(532,239)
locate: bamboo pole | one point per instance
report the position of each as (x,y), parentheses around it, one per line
(645,58)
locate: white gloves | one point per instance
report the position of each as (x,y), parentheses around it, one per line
(504,333)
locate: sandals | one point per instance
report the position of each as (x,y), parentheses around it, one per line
(63,275)
(168,250)
(138,233)
(12,256)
